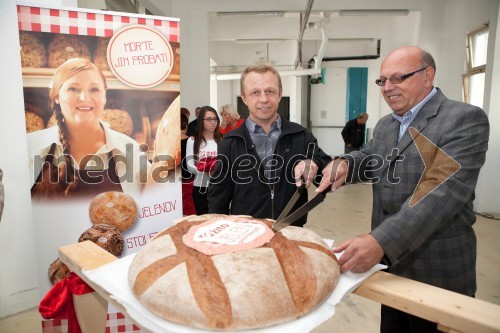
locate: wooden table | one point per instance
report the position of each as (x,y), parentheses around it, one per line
(453,312)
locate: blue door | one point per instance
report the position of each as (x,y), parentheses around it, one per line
(356,92)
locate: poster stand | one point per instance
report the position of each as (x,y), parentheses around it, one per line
(139,59)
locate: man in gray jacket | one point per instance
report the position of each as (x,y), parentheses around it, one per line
(424,161)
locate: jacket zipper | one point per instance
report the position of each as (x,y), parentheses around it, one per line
(272,202)
(271,188)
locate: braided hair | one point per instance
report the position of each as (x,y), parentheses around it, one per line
(66,172)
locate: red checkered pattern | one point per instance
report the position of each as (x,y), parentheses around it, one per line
(86,23)
(116,322)
(55,326)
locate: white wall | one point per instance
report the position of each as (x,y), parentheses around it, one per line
(488,189)
(18,273)
(227,53)
(328,107)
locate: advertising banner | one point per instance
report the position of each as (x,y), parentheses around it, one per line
(102,110)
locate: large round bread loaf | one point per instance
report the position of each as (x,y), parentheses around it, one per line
(167,147)
(282,280)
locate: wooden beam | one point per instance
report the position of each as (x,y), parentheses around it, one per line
(453,312)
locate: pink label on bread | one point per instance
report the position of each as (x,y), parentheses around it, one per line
(227,235)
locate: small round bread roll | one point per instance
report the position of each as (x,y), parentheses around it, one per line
(115,208)
(52,121)
(33,52)
(176,68)
(33,106)
(106,236)
(64,47)
(33,122)
(119,120)
(58,271)
(100,54)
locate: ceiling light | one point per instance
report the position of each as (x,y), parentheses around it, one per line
(253,13)
(260,41)
(374,12)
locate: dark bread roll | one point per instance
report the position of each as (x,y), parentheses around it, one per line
(281,280)
(106,236)
(58,271)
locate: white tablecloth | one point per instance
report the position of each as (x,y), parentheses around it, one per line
(113,278)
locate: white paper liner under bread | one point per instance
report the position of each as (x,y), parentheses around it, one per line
(113,278)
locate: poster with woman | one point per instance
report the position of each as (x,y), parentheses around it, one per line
(102,111)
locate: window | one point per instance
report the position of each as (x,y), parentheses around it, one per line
(473,79)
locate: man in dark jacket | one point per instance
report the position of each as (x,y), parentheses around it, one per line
(261,163)
(354,133)
(192,125)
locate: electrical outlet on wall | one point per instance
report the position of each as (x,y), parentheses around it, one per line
(323,114)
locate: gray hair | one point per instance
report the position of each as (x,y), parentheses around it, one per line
(426,60)
(230,110)
(363,115)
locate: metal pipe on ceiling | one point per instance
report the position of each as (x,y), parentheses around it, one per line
(121,6)
(310,62)
(301,36)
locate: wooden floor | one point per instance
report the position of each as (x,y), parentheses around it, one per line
(344,214)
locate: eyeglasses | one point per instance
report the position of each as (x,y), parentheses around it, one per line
(211,119)
(396,78)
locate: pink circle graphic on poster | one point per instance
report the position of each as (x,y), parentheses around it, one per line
(140,56)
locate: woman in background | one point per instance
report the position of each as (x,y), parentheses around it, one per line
(201,152)
(77,156)
(230,119)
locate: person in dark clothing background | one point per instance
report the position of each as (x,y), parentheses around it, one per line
(193,124)
(187,177)
(354,133)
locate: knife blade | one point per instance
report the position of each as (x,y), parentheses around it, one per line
(292,202)
(303,210)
